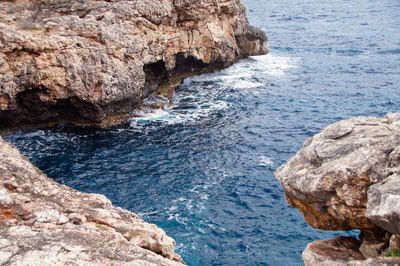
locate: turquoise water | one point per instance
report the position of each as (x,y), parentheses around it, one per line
(203,168)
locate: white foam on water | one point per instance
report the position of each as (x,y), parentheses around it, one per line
(246,84)
(270,65)
(205,94)
(144,214)
(174,115)
(180,204)
(151,114)
(265,161)
(36,133)
(177,217)
(173,208)
(274,65)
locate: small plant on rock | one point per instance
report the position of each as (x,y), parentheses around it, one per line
(11,11)
(394,253)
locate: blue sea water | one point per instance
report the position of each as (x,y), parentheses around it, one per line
(203,169)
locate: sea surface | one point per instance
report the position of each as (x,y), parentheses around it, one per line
(203,168)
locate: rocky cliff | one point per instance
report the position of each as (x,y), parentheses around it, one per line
(93,61)
(348,177)
(43,222)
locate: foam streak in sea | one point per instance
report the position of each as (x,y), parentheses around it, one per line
(202,169)
(204,94)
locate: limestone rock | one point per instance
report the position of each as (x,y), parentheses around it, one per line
(380,261)
(383,206)
(5,198)
(330,176)
(94,61)
(336,251)
(373,244)
(44,222)
(394,242)
(341,251)
(347,177)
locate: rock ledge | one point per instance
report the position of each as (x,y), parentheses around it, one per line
(93,62)
(44,222)
(348,177)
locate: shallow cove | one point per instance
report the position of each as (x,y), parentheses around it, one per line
(203,168)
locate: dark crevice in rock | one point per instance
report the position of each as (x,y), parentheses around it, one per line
(71,107)
(37,105)
(157,77)
(72,46)
(31,99)
(317,161)
(40,103)
(187,64)
(154,73)
(342,135)
(338,249)
(373,243)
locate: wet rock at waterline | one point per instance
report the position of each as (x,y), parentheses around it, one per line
(341,251)
(347,177)
(43,221)
(94,61)
(336,250)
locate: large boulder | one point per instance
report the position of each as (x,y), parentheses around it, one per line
(46,223)
(92,62)
(328,179)
(347,177)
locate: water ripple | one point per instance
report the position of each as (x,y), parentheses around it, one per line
(202,169)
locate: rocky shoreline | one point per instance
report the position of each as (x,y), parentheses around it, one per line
(93,62)
(347,177)
(44,221)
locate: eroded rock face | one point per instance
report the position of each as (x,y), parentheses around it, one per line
(341,251)
(44,222)
(329,178)
(383,206)
(336,251)
(92,61)
(347,177)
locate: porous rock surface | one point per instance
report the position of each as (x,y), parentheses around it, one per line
(347,177)
(93,61)
(46,223)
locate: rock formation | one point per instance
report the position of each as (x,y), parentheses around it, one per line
(348,177)
(46,223)
(92,62)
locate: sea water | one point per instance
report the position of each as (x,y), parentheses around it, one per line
(202,169)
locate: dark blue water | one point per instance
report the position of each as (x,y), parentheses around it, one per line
(203,169)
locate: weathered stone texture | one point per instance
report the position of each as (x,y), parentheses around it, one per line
(383,207)
(329,178)
(86,61)
(341,251)
(347,177)
(336,251)
(46,223)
